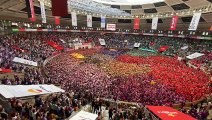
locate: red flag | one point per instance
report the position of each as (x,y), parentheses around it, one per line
(173,25)
(163,48)
(32,11)
(136,23)
(57,20)
(59,8)
(211,28)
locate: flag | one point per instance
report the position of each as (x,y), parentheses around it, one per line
(154,23)
(152,82)
(30,10)
(136,23)
(163,48)
(103,22)
(43,12)
(74,18)
(89,21)
(195,21)
(174,23)
(59,8)
(57,20)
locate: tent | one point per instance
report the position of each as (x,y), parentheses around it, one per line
(11,91)
(82,115)
(168,113)
(194,55)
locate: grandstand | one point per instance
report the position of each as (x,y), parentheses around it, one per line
(105,60)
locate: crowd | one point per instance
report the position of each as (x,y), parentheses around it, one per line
(156,71)
(52,107)
(104,73)
(175,75)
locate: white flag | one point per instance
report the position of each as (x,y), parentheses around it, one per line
(89,21)
(74,18)
(43,12)
(195,21)
(154,23)
(103,22)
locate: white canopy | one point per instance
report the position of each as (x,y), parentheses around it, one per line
(82,115)
(194,55)
(10,91)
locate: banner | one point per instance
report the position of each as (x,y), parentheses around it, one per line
(3,70)
(55,45)
(32,10)
(43,12)
(103,22)
(136,45)
(57,20)
(102,41)
(74,18)
(174,23)
(24,61)
(11,91)
(154,23)
(136,23)
(89,21)
(18,48)
(168,113)
(59,8)
(111,27)
(194,55)
(195,21)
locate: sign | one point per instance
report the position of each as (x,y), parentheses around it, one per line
(24,61)
(103,22)
(74,18)
(89,21)
(136,23)
(102,41)
(195,21)
(43,12)
(154,23)
(174,23)
(10,91)
(111,27)
(168,113)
